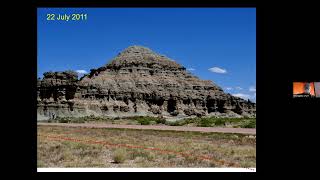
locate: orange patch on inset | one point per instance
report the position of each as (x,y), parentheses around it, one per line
(298,88)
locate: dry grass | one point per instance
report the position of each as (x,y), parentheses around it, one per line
(142,148)
(119,156)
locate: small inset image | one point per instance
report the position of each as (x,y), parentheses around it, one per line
(317,88)
(306,89)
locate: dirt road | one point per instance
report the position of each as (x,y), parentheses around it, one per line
(155,127)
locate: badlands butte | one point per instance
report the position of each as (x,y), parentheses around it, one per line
(137,82)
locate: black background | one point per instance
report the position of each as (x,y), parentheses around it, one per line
(287,51)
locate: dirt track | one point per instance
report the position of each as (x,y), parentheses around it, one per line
(153,127)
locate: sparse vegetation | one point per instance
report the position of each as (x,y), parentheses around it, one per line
(144,120)
(81,119)
(216,122)
(160,120)
(143,148)
(249,124)
(119,155)
(147,120)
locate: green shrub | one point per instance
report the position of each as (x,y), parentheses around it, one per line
(205,122)
(79,120)
(63,120)
(220,122)
(134,117)
(249,124)
(161,121)
(175,123)
(144,121)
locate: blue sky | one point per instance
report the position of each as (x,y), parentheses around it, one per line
(217,44)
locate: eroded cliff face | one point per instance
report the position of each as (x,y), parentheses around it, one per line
(136,82)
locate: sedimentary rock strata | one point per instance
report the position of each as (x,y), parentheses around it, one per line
(137,81)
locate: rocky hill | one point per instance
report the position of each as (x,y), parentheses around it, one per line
(136,82)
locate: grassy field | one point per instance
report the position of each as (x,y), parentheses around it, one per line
(145,120)
(84,147)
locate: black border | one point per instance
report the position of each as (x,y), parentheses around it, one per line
(137,3)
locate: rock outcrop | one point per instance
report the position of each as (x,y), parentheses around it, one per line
(136,82)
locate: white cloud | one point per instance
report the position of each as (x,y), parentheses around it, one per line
(218,70)
(239,88)
(243,96)
(81,71)
(252,89)
(229,88)
(191,69)
(252,98)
